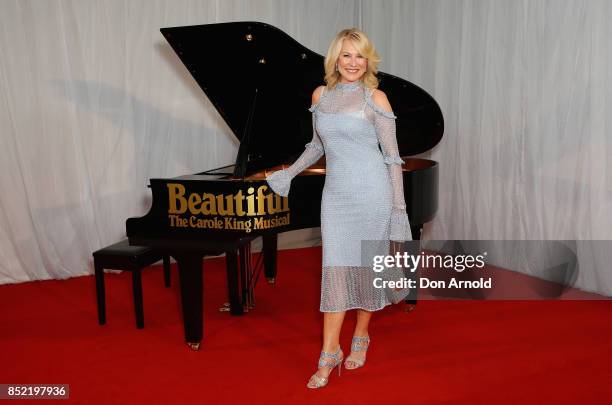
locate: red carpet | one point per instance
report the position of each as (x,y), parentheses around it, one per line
(444,352)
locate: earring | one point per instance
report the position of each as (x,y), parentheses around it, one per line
(336,67)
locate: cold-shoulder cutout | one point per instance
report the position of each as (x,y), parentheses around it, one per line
(316,97)
(377,100)
(316,94)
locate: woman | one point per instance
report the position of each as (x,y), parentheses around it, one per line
(363,198)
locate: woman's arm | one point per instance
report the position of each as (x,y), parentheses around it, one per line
(280,181)
(384,122)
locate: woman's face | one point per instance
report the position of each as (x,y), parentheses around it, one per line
(351,65)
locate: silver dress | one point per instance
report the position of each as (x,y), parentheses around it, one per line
(363,198)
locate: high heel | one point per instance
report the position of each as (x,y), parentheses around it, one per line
(359,344)
(335,360)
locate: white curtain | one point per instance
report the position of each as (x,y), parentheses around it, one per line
(526,91)
(93,103)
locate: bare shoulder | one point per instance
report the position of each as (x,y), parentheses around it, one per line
(316,94)
(380,99)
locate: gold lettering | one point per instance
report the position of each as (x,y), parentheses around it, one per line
(266,223)
(176,194)
(270,200)
(209,206)
(239,198)
(250,202)
(260,200)
(194,202)
(258,203)
(229,200)
(285,204)
(229,210)
(259,223)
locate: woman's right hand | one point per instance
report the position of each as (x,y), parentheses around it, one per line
(280,182)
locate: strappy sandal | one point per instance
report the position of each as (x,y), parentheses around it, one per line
(359,344)
(335,359)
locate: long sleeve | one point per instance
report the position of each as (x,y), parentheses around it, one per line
(280,181)
(384,122)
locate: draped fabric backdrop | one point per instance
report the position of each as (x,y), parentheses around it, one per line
(93,103)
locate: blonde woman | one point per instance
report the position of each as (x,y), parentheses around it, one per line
(363,198)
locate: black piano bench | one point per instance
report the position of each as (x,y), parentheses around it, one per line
(122,256)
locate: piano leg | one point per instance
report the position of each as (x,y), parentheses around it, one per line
(415,230)
(232,270)
(190,275)
(245,277)
(416,235)
(269,252)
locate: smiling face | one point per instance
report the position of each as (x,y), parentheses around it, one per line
(351,64)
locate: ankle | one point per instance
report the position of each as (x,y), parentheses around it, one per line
(332,349)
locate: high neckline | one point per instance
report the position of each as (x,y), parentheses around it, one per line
(349,86)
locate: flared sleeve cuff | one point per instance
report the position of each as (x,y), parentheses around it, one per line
(390,160)
(280,182)
(400,227)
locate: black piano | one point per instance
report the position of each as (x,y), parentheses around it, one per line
(260,80)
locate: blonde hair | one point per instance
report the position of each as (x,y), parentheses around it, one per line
(365,48)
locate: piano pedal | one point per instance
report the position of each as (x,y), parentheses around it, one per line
(225,307)
(271,280)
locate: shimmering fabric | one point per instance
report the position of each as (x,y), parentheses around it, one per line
(363,198)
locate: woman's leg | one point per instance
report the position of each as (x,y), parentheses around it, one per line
(361,331)
(332,323)
(363,321)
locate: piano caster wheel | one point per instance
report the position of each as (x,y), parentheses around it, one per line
(225,307)
(195,346)
(410,308)
(272,280)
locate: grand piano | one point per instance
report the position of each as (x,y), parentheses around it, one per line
(260,80)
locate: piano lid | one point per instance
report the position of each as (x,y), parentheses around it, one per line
(252,69)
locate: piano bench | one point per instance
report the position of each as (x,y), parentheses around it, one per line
(122,256)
